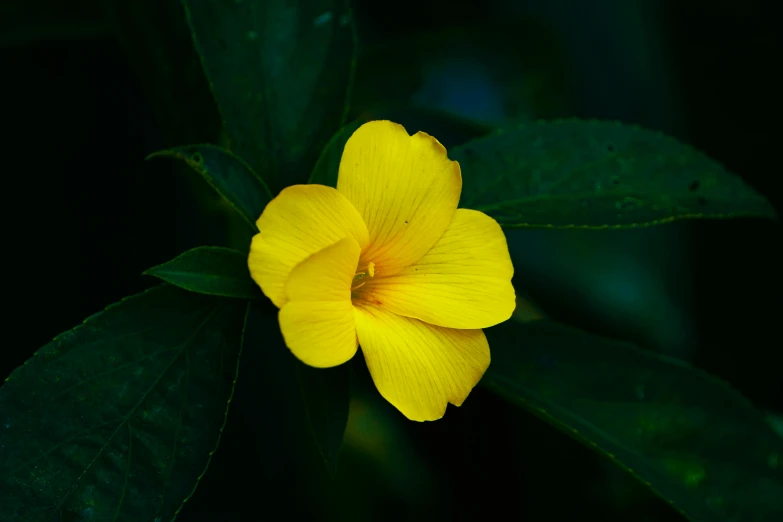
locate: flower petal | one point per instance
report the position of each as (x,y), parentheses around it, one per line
(300,221)
(318,322)
(419,367)
(464,281)
(405,188)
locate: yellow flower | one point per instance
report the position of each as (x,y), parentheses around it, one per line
(387,262)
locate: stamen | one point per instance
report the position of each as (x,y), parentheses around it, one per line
(368,270)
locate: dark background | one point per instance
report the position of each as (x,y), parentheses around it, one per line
(84,215)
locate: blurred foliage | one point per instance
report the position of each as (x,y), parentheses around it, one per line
(522,62)
(157,42)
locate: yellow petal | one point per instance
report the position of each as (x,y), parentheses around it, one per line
(317,321)
(405,188)
(464,281)
(419,367)
(300,221)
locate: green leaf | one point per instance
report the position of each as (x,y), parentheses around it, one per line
(281,73)
(118,418)
(325,395)
(316,399)
(228,174)
(691,438)
(209,270)
(328,165)
(590,174)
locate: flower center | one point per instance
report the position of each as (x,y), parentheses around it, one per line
(359,280)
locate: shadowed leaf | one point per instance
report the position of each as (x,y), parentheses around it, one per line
(328,166)
(692,439)
(591,174)
(209,270)
(117,419)
(315,400)
(281,73)
(228,174)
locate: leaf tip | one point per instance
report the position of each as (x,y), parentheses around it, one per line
(160,154)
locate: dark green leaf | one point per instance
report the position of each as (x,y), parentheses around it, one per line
(328,165)
(316,400)
(691,438)
(325,395)
(209,270)
(229,175)
(118,418)
(590,174)
(281,73)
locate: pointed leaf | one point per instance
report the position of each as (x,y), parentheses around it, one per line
(228,174)
(316,400)
(696,442)
(209,270)
(117,419)
(591,174)
(280,72)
